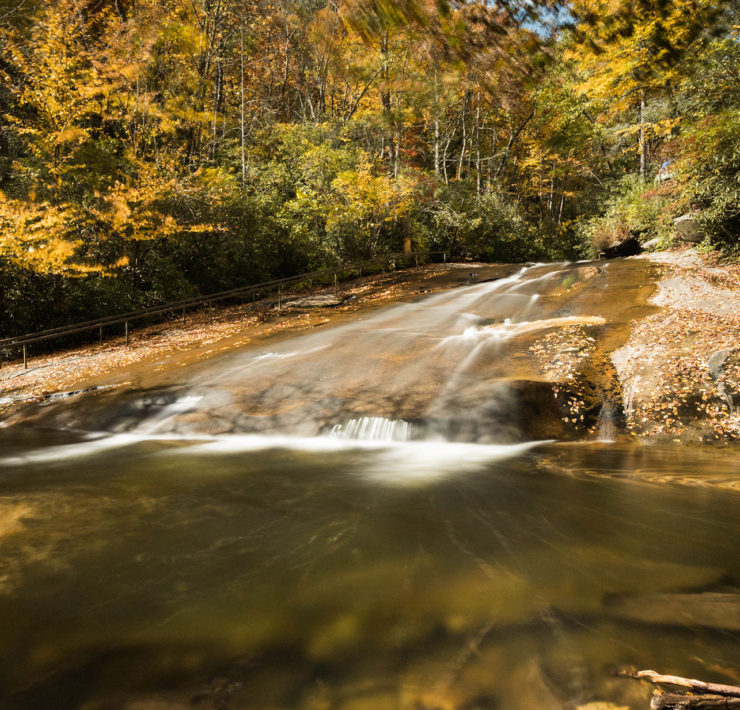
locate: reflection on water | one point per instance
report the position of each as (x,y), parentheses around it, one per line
(286,577)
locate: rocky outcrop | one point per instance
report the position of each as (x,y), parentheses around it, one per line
(680,369)
(724,368)
(319,301)
(651,244)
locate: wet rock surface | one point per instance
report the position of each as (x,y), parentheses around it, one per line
(503,360)
(156,353)
(565,352)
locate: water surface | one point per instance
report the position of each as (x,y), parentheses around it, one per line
(369,561)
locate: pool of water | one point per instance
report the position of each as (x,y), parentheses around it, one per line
(232,573)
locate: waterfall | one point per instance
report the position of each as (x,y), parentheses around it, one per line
(607,427)
(372,429)
(160,421)
(458,364)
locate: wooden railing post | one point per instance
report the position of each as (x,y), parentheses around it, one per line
(125,325)
(25,357)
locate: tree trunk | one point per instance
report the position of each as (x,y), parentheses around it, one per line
(464,134)
(562,202)
(436,125)
(731,691)
(436,148)
(478,181)
(512,140)
(677,701)
(642,137)
(385,100)
(241,126)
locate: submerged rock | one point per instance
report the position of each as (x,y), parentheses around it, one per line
(715,610)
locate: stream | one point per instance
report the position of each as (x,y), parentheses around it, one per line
(384,513)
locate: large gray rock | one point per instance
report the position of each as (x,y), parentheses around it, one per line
(711,609)
(687,228)
(716,362)
(652,244)
(721,364)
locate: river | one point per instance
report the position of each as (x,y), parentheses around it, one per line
(364,517)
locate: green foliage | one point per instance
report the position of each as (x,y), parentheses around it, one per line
(154,150)
(710,166)
(487,226)
(631,208)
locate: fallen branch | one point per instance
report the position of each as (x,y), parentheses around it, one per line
(732,691)
(671,701)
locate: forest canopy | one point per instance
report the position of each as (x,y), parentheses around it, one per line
(151,150)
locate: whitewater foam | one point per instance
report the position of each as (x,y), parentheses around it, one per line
(390,462)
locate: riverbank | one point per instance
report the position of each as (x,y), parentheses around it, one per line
(680,369)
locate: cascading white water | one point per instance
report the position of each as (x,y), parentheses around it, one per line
(372,429)
(606,427)
(159,421)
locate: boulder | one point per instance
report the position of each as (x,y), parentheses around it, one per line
(717,360)
(652,244)
(687,228)
(722,366)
